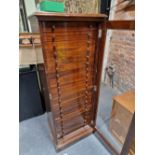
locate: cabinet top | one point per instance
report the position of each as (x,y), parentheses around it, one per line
(46,16)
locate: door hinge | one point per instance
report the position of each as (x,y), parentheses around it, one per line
(50,96)
(95,88)
(99,33)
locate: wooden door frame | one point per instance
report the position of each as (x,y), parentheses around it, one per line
(112,25)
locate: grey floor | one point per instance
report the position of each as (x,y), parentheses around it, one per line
(35,140)
(104,114)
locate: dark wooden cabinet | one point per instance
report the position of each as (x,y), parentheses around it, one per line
(73,52)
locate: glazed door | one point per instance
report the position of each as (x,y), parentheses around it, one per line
(116,104)
(70,52)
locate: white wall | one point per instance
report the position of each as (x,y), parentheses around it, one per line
(30,7)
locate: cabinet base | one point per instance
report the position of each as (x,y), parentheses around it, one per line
(73,137)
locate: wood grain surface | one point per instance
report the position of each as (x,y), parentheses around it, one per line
(70,47)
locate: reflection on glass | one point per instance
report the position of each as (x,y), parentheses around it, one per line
(117,96)
(114,115)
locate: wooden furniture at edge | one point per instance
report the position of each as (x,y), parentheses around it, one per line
(30,52)
(121,116)
(73,51)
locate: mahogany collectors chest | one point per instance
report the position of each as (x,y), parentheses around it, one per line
(73,51)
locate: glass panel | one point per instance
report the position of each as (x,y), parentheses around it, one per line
(123,10)
(116,100)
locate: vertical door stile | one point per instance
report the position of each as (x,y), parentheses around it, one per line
(96,57)
(87,71)
(57,79)
(100,54)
